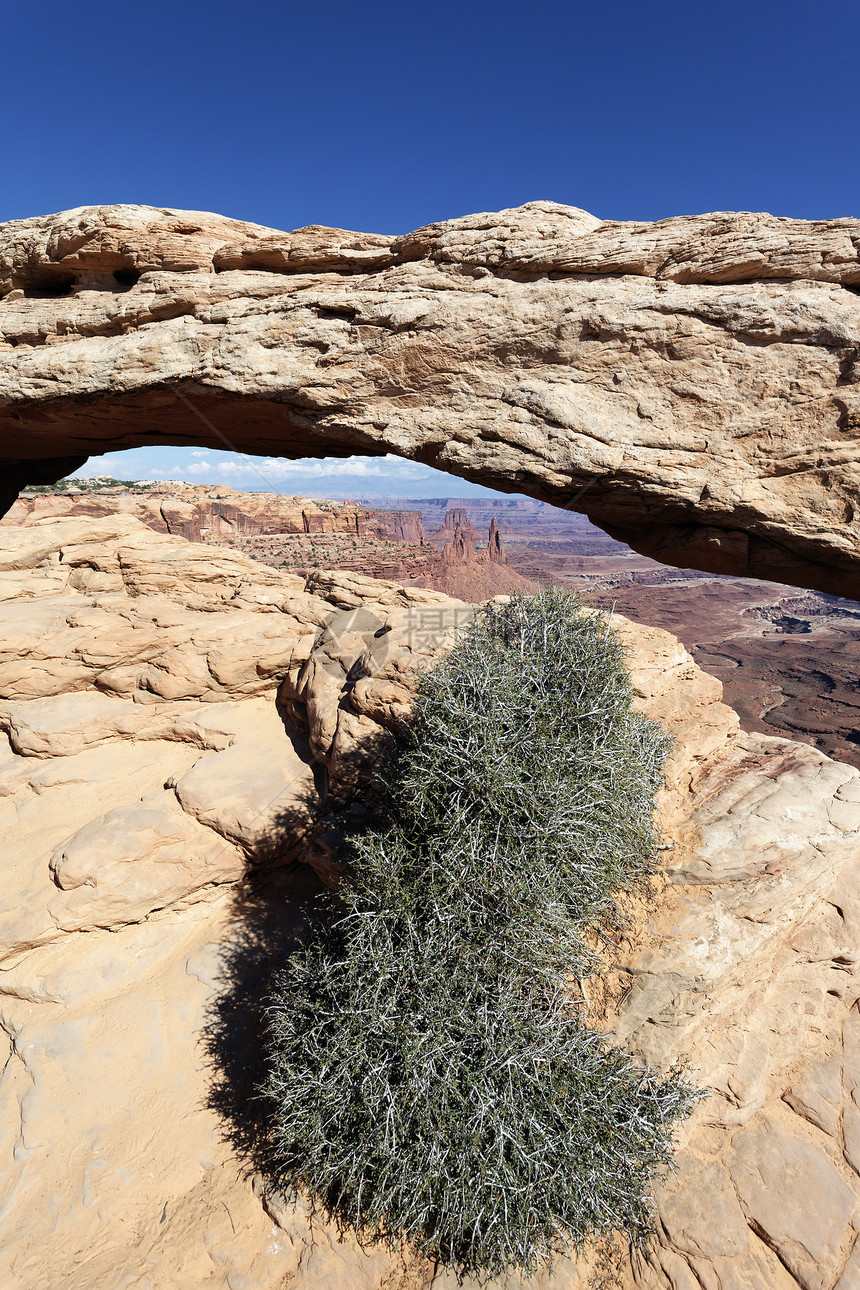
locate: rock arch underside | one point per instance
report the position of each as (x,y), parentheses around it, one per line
(692,385)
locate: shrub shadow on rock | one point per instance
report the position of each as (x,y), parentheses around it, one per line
(269,909)
(292,870)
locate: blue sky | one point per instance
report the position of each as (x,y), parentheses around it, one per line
(386,116)
(353,477)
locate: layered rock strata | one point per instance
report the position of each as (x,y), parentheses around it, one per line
(173,714)
(384,544)
(456,517)
(198,511)
(691,384)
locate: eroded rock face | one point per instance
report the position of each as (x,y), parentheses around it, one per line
(216,514)
(197,511)
(181,710)
(691,384)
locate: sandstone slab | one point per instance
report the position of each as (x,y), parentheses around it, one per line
(776,1172)
(138,826)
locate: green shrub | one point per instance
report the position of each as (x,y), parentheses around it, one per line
(430,1073)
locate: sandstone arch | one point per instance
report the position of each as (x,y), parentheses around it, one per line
(693,385)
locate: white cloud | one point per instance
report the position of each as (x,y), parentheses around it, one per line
(275,468)
(325,476)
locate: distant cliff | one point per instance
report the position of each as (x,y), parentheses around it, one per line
(198,511)
(389,544)
(449,561)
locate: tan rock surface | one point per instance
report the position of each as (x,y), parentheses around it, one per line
(196,511)
(691,384)
(128,817)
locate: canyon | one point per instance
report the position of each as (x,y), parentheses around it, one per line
(300,533)
(690,384)
(788,658)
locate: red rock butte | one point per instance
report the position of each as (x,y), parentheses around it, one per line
(692,385)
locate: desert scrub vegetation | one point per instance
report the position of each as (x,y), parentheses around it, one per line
(431,1076)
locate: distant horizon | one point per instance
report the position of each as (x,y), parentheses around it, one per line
(478,493)
(336,478)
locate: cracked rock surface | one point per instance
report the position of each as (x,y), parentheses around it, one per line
(693,384)
(179,712)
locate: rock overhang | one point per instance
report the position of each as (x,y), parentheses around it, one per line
(693,384)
